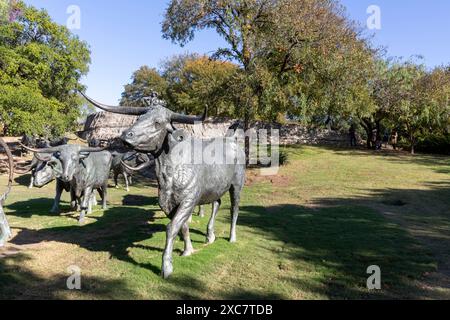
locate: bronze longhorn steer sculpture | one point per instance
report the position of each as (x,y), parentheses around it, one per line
(183,183)
(5,231)
(35,162)
(123,163)
(43,172)
(84,169)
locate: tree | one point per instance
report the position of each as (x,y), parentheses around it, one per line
(172,69)
(424,103)
(279,45)
(201,81)
(187,82)
(236,21)
(144,82)
(43,62)
(383,87)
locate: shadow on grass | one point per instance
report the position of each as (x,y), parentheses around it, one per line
(35,207)
(196,291)
(116,231)
(342,242)
(342,237)
(21,283)
(138,200)
(23,180)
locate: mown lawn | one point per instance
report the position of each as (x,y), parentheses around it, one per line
(308,233)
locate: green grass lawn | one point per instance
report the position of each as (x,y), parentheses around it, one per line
(308,233)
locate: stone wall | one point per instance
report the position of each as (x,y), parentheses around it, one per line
(289,134)
(105,126)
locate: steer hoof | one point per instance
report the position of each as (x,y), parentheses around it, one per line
(167,271)
(210,239)
(187,252)
(82,219)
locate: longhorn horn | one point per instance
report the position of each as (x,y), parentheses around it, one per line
(138,168)
(91,149)
(120,110)
(42,159)
(25,169)
(180,118)
(41,150)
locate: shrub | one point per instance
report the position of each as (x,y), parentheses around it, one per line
(436,143)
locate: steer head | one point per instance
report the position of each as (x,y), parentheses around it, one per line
(63,160)
(151,129)
(46,173)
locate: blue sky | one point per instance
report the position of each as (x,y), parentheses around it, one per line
(124,35)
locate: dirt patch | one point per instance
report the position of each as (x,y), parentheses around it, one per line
(9,250)
(254,177)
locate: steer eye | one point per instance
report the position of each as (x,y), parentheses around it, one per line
(157,125)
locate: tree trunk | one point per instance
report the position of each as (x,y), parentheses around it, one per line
(378,126)
(412,140)
(247,138)
(367,125)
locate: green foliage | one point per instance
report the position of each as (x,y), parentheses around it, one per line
(284,158)
(188,83)
(44,61)
(144,82)
(4,10)
(200,81)
(300,58)
(29,112)
(434,143)
(422,104)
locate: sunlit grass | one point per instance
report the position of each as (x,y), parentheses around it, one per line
(309,233)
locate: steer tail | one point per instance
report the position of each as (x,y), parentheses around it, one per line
(11,170)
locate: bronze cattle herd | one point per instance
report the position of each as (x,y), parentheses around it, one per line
(152,140)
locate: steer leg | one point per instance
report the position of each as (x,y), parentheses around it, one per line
(59,190)
(84,204)
(73,200)
(90,203)
(188,248)
(201,212)
(103,191)
(30,186)
(235,196)
(182,215)
(105,196)
(94,199)
(125,176)
(116,183)
(210,236)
